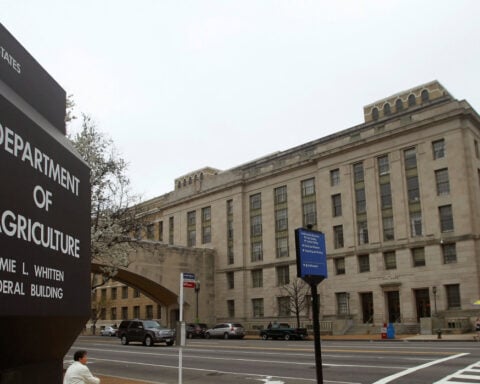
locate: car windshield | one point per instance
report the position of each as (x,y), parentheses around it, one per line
(151,324)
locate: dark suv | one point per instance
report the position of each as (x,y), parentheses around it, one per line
(147,332)
(196,330)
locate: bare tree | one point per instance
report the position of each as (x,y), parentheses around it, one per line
(298,293)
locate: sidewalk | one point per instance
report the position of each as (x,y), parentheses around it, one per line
(376,337)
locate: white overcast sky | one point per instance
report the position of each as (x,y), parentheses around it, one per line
(179,85)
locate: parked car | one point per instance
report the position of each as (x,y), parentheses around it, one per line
(109,331)
(195,330)
(147,332)
(283,331)
(226,331)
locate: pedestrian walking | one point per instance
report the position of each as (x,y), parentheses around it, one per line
(78,372)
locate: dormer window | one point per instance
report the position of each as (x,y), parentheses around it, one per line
(375,113)
(412,101)
(425,96)
(398,105)
(386,109)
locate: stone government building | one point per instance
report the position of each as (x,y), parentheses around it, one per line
(397,196)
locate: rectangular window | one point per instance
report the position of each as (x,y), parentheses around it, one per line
(160,231)
(257,306)
(230,230)
(308,187)
(257,278)
(410,158)
(342,303)
(363,263)
(113,293)
(309,214)
(282,246)
(413,189)
(124,313)
(191,218)
(230,280)
(383,165)
(192,237)
(446,218)
(334,177)
(385,195)
(418,257)
(206,235)
(159,311)
(170,230)
(338,236)
(283,304)
(136,312)
(336,205)
(281,220)
(103,295)
(390,260)
(124,292)
(149,312)
(230,255)
(449,252)
(340,265)
(362,232)
(136,293)
(443,184)
(191,228)
(280,194)
(438,148)
(103,314)
(150,231)
(229,207)
(231,308)
(255,201)
(388,231)
(206,225)
(453,296)
(257,251)
(283,275)
(360,201)
(416,223)
(113,313)
(358,175)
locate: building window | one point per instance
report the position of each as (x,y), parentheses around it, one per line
(124,313)
(338,236)
(230,280)
(385,195)
(113,313)
(398,105)
(229,229)
(206,234)
(418,257)
(257,251)
(438,148)
(257,278)
(413,189)
(280,195)
(149,312)
(340,265)
(124,292)
(449,252)
(334,177)
(443,184)
(192,237)
(256,225)
(281,220)
(230,254)
(362,232)
(309,214)
(206,225)
(170,230)
(388,232)
(342,303)
(113,293)
(136,312)
(390,260)
(282,246)
(410,158)
(255,201)
(231,308)
(136,293)
(160,231)
(386,109)
(103,294)
(358,175)
(159,311)
(191,216)
(308,187)
(425,96)
(412,100)
(336,205)
(360,200)
(446,218)
(375,113)
(257,305)
(283,304)
(103,314)
(416,223)
(475,144)
(229,207)
(150,231)
(383,165)
(283,275)
(453,296)
(363,263)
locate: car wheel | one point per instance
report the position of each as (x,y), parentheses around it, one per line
(225,335)
(148,341)
(207,335)
(264,336)
(287,337)
(124,340)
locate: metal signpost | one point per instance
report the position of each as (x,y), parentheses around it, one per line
(187,280)
(312,268)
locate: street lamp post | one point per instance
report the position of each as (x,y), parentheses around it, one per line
(434,290)
(197,289)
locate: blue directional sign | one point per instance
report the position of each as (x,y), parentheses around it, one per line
(311,255)
(188,276)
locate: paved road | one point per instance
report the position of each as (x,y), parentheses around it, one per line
(281,362)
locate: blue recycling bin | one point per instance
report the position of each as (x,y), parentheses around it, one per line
(390,331)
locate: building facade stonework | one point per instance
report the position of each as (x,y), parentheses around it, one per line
(397,197)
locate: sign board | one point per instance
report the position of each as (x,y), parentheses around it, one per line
(188,276)
(189,284)
(311,255)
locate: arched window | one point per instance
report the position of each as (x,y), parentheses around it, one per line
(195,178)
(425,96)
(398,105)
(184,182)
(375,113)
(412,100)
(386,109)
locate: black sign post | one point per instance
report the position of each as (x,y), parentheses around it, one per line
(312,268)
(44,223)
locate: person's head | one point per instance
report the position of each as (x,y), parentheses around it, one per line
(80,356)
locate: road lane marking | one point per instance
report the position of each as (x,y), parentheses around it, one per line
(417,368)
(470,373)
